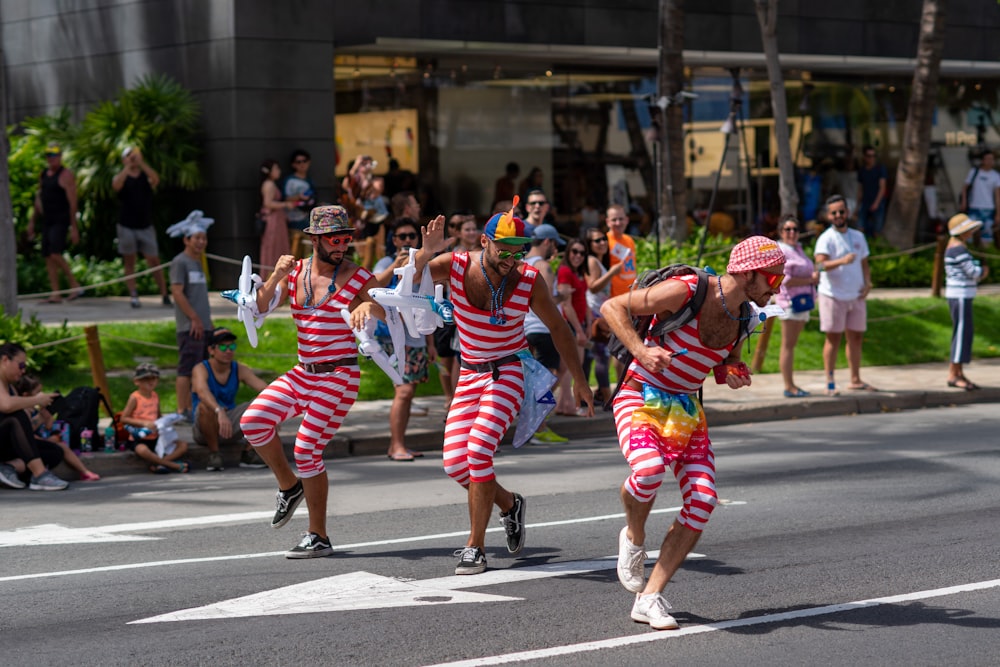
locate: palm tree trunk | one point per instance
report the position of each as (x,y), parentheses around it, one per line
(8,242)
(671,81)
(767,17)
(904,206)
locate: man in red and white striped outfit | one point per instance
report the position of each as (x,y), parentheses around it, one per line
(324,384)
(492,291)
(661,424)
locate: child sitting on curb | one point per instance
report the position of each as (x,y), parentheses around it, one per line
(139,417)
(43,421)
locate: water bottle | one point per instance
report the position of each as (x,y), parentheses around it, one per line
(109,439)
(86,440)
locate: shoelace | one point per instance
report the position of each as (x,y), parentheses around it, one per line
(510,523)
(466,553)
(661,603)
(282,502)
(635,561)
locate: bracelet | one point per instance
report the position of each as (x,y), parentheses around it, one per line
(218,409)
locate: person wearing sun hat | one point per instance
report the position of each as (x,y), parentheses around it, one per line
(55,206)
(323,386)
(661,425)
(961,275)
(492,291)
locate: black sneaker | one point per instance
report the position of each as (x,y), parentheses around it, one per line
(471,560)
(251,459)
(311,546)
(513,525)
(167,302)
(287,501)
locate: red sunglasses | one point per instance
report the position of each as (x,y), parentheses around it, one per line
(774,280)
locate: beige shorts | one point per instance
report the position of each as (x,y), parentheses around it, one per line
(839,316)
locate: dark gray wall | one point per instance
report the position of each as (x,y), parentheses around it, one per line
(260,69)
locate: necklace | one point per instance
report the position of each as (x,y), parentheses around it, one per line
(726,308)
(497,315)
(309,292)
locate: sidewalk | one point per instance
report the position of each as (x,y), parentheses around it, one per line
(365,430)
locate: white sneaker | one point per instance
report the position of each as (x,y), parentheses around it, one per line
(652,609)
(631,563)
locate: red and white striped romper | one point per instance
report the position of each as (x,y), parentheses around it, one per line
(324,398)
(483,408)
(685,375)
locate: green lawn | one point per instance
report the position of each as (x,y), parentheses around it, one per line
(900,331)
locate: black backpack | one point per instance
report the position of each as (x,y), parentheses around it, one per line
(677,320)
(79,408)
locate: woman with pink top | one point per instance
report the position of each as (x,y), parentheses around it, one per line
(797,296)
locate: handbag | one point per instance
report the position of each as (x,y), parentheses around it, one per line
(802,303)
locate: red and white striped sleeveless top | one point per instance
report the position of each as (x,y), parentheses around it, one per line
(479,340)
(686,373)
(323,334)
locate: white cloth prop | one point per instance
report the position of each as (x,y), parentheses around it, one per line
(538,399)
(166,443)
(195,222)
(245,298)
(419,313)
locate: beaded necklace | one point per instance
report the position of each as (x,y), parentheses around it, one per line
(726,308)
(308,285)
(497,315)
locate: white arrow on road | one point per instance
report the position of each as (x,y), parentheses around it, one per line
(364,590)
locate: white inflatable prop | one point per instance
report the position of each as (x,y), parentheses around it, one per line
(245,298)
(405,312)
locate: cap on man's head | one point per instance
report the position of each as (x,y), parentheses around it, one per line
(329,220)
(220,335)
(146,370)
(507,228)
(547,231)
(52,149)
(128,151)
(961,224)
(754,253)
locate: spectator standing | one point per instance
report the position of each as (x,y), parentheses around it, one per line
(20,451)
(600,271)
(506,186)
(192,313)
(299,188)
(872,187)
(535,180)
(55,205)
(796,297)
(844,283)
(135,184)
(659,419)
(621,246)
(980,197)
(274,240)
(416,355)
(139,417)
(962,273)
(398,180)
(571,283)
(216,414)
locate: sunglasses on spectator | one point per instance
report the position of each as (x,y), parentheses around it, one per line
(505,254)
(226,347)
(773,279)
(577,251)
(412,236)
(537,203)
(599,239)
(21,365)
(790,229)
(838,212)
(300,160)
(337,240)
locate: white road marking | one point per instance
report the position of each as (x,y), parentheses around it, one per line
(617,642)
(363,590)
(345,592)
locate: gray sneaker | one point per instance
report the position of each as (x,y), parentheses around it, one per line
(214,462)
(47,482)
(8,477)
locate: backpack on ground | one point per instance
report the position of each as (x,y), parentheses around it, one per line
(79,408)
(641,324)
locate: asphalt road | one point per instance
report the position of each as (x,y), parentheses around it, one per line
(841,541)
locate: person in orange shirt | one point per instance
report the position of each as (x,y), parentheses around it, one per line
(139,417)
(621,248)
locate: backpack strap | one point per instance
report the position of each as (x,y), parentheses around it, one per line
(106,402)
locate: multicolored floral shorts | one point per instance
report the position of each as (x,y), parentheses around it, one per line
(415,370)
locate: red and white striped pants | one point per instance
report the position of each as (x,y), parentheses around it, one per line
(695,478)
(323,398)
(480,414)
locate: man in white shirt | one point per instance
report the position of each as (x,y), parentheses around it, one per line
(844,283)
(980,197)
